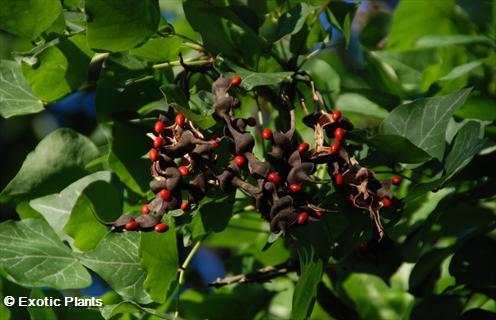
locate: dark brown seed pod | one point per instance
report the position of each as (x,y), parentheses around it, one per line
(281,204)
(223,106)
(221,86)
(146,221)
(256,167)
(121,222)
(300,173)
(174,177)
(157,185)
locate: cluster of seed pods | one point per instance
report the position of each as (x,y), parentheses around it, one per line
(185,166)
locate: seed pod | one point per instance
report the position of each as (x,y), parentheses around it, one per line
(300,173)
(221,86)
(280,204)
(256,167)
(157,185)
(223,105)
(147,222)
(121,222)
(173,177)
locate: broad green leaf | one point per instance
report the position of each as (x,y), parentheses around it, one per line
(413,20)
(468,142)
(28,18)
(474,263)
(340,14)
(176,99)
(119,25)
(424,121)
(425,270)
(437,307)
(449,40)
(116,260)
(83,226)
(461,70)
(40,313)
(127,307)
(313,247)
(58,160)
(16,97)
(251,79)
(291,21)
(159,258)
(374,299)
(159,49)
(477,107)
(59,69)
(56,208)
(128,144)
(33,255)
(213,215)
(356,103)
(324,76)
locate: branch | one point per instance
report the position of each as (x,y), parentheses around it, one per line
(261,275)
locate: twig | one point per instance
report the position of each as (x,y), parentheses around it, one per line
(182,271)
(262,275)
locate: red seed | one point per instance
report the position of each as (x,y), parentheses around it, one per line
(274,177)
(396,180)
(158,142)
(215,143)
(303,147)
(386,202)
(362,249)
(239,161)
(161,227)
(131,226)
(338,178)
(339,133)
(184,170)
(351,198)
(145,209)
(180,119)
(251,122)
(267,134)
(159,126)
(153,155)
(165,194)
(235,81)
(185,206)
(336,115)
(302,217)
(319,213)
(295,187)
(335,146)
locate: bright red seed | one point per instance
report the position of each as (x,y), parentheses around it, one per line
(251,122)
(180,119)
(338,178)
(303,147)
(184,170)
(215,143)
(239,161)
(185,206)
(302,217)
(153,155)
(295,187)
(339,133)
(235,81)
(386,202)
(165,194)
(159,126)
(396,180)
(351,198)
(319,213)
(158,142)
(336,115)
(161,227)
(131,226)
(274,177)
(335,146)
(145,209)
(267,134)
(362,249)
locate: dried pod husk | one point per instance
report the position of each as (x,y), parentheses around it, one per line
(226,177)
(244,143)
(300,173)
(294,159)
(121,222)
(197,188)
(312,119)
(280,204)
(280,139)
(147,221)
(221,86)
(223,106)
(157,185)
(240,124)
(173,177)
(276,153)
(283,220)
(256,167)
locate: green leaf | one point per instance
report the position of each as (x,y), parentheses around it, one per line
(449,40)
(57,160)
(33,255)
(40,313)
(160,49)
(291,21)
(16,97)
(159,258)
(340,14)
(28,18)
(116,260)
(313,247)
(84,225)
(356,103)
(213,215)
(176,99)
(413,20)
(424,121)
(60,69)
(468,142)
(126,307)
(251,79)
(129,142)
(119,25)
(324,76)
(56,208)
